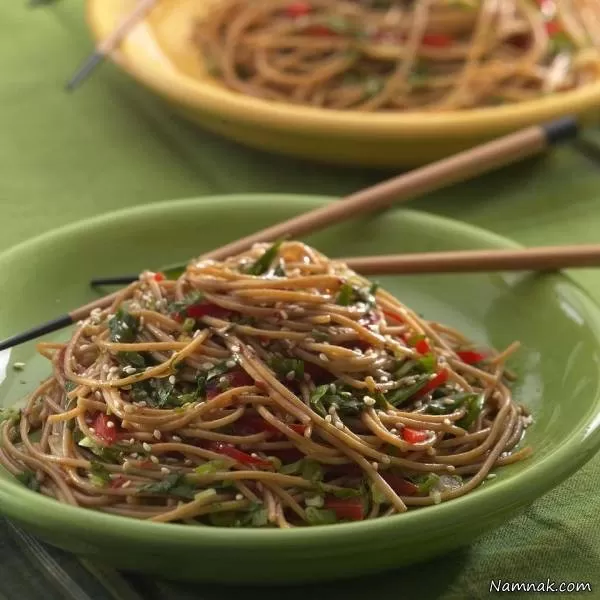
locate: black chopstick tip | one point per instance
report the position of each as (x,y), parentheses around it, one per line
(119,280)
(561,130)
(31,334)
(84,71)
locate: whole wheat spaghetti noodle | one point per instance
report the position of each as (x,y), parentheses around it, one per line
(401,55)
(275,388)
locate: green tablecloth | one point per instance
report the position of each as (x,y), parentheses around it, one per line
(111,144)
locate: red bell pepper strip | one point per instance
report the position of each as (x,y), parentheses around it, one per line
(432,384)
(237,378)
(298,9)
(118,482)
(437,40)
(414,436)
(470,356)
(159,276)
(108,434)
(401,486)
(422,347)
(206,309)
(239,456)
(393,316)
(346,508)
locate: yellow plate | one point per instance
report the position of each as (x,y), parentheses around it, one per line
(160,55)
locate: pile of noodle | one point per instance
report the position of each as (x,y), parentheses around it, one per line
(275,388)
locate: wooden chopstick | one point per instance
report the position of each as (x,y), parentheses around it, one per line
(105,47)
(545,258)
(465,165)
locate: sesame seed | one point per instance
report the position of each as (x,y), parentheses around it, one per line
(134,455)
(176,438)
(154,459)
(437,497)
(207,365)
(196,333)
(19,366)
(187,462)
(147,447)
(450,468)
(339,424)
(239,497)
(230,364)
(491,476)
(92,430)
(223,379)
(172,379)
(132,440)
(110,424)
(128,408)
(328,418)
(254,455)
(323,357)
(165,470)
(98,394)
(126,465)
(375,466)
(447,422)
(394,431)
(141,404)
(385,459)
(290,375)
(369,401)
(157,434)
(126,484)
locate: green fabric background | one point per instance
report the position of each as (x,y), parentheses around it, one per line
(112,144)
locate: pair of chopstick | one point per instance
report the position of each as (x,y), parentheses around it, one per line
(465,165)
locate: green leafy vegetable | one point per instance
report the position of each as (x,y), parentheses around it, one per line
(373,86)
(205,377)
(474,406)
(345,295)
(427,363)
(111,454)
(261,265)
(426,483)
(449,404)
(174,484)
(284,366)
(131,359)
(123,327)
(349,294)
(70,386)
(179,307)
(213,466)
(10,414)
(305,467)
(174,271)
(401,395)
(29,480)
(319,336)
(99,474)
(345,493)
(320,516)
(328,395)
(189,324)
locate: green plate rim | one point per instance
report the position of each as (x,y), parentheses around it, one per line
(545,474)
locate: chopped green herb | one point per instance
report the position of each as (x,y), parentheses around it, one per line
(131,359)
(377,494)
(10,414)
(320,516)
(110,454)
(311,470)
(70,386)
(345,295)
(426,483)
(427,363)
(99,474)
(261,265)
(179,307)
(324,397)
(29,480)
(284,366)
(279,270)
(406,367)
(373,86)
(319,336)
(403,394)
(189,324)
(474,406)
(123,327)
(345,493)
(174,484)
(213,466)
(449,404)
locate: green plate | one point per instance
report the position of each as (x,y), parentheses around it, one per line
(558,368)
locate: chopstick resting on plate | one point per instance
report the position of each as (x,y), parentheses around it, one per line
(104,48)
(465,165)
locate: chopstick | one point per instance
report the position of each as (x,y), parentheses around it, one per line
(104,48)
(544,258)
(465,165)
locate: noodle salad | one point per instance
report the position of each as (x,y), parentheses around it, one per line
(276,388)
(401,55)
